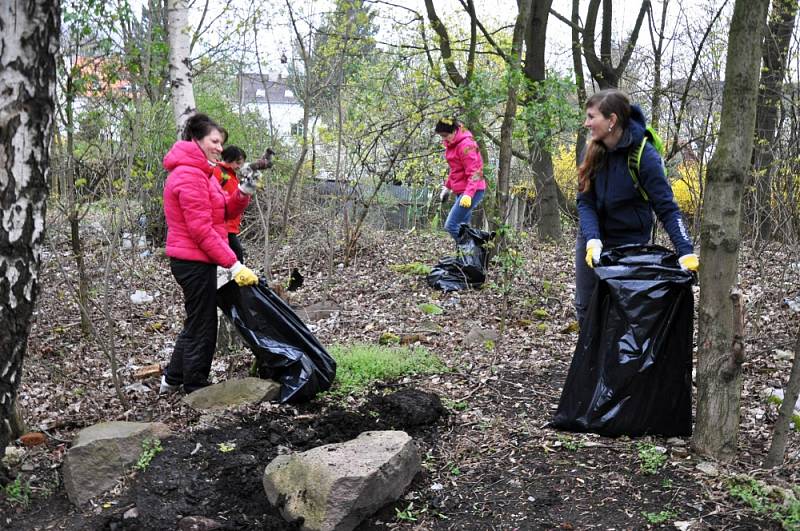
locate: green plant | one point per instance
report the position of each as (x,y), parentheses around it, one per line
(226,447)
(430,309)
(569,443)
(413,268)
(508,261)
(660,517)
(409,514)
(455,405)
(150,449)
(651,458)
(666,483)
(782,505)
(359,365)
(17,492)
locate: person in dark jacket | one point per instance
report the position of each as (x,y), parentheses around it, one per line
(611,209)
(196,211)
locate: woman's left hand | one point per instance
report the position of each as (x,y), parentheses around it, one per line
(466,201)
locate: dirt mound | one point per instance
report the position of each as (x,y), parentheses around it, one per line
(408,408)
(217,473)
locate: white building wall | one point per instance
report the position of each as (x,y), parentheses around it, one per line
(283,115)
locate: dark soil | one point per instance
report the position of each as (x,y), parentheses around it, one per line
(490,461)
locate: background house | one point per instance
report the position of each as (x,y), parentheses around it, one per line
(270,94)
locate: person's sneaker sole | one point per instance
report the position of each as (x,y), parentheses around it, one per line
(167,388)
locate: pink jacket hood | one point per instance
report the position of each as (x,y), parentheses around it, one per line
(187,153)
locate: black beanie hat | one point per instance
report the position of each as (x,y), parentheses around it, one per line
(446,125)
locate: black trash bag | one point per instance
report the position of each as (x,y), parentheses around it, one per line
(279,339)
(631,373)
(468,268)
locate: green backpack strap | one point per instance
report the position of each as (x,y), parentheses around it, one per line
(634,160)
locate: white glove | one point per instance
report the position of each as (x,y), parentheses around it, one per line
(248,178)
(593,249)
(443,194)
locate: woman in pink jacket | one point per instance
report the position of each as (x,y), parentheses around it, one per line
(196,210)
(466,173)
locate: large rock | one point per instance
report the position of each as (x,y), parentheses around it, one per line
(318,310)
(101,454)
(233,393)
(336,486)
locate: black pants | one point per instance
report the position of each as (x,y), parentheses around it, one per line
(190,364)
(236,246)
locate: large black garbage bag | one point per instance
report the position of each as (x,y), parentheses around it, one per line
(279,339)
(468,268)
(631,373)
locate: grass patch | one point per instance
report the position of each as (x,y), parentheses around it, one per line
(414,268)
(359,365)
(430,309)
(651,458)
(782,505)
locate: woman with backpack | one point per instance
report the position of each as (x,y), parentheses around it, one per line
(615,201)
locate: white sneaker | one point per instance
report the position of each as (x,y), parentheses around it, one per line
(166,388)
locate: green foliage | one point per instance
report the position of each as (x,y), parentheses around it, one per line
(388,338)
(430,308)
(570,443)
(661,517)
(795,417)
(226,447)
(358,366)
(547,112)
(18,492)
(782,505)
(651,458)
(455,405)
(409,514)
(413,268)
(150,449)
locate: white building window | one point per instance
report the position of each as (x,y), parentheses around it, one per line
(297,128)
(260,93)
(288,93)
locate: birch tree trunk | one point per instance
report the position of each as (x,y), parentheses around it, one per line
(180,68)
(28,45)
(720,345)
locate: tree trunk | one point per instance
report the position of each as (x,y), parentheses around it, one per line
(180,68)
(780,432)
(507,128)
(602,68)
(29,41)
(549,223)
(580,81)
(770,93)
(658,53)
(720,350)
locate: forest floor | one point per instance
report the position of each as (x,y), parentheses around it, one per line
(491,462)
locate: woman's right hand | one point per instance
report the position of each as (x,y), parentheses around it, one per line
(593,249)
(243,275)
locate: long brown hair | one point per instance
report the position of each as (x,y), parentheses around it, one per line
(608,102)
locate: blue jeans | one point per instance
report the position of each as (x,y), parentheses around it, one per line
(459,214)
(585,280)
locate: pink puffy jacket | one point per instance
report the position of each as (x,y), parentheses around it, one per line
(464,159)
(196,208)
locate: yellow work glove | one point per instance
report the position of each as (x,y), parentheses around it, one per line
(593,249)
(466,201)
(243,276)
(689,262)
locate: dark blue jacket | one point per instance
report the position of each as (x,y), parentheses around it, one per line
(614,211)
